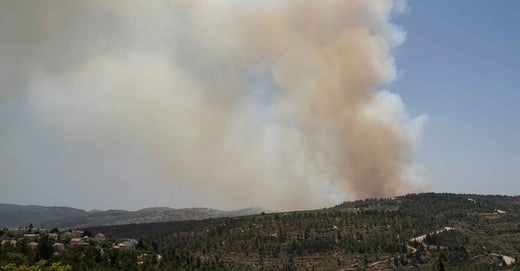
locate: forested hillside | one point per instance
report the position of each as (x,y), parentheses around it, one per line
(466,232)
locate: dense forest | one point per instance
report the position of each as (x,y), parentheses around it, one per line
(413,232)
(371,234)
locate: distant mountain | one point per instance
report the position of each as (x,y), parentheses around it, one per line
(148,215)
(158,209)
(247,211)
(63,217)
(19,215)
(94,211)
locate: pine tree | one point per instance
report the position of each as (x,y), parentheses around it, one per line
(440,264)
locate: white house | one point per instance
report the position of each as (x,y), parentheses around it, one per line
(53,236)
(122,246)
(59,246)
(77,242)
(100,238)
(33,245)
(131,242)
(127,244)
(31,236)
(67,235)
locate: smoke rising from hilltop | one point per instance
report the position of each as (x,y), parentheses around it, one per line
(223,103)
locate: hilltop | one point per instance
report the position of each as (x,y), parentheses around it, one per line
(12,215)
(475,232)
(148,215)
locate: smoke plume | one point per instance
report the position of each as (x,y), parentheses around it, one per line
(223,103)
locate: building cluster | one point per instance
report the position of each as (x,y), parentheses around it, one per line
(126,245)
(61,241)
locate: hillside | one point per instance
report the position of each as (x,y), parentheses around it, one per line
(20,215)
(12,215)
(148,215)
(472,232)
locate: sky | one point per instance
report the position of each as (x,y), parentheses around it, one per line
(127,105)
(460,65)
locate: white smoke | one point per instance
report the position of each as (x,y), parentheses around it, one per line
(228,103)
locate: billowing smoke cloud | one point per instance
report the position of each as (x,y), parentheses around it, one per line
(222,103)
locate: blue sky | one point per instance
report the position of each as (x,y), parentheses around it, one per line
(460,65)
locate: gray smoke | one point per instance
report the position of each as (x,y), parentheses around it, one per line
(222,103)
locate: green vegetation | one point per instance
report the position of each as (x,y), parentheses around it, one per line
(372,234)
(96,256)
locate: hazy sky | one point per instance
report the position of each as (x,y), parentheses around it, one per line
(131,105)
